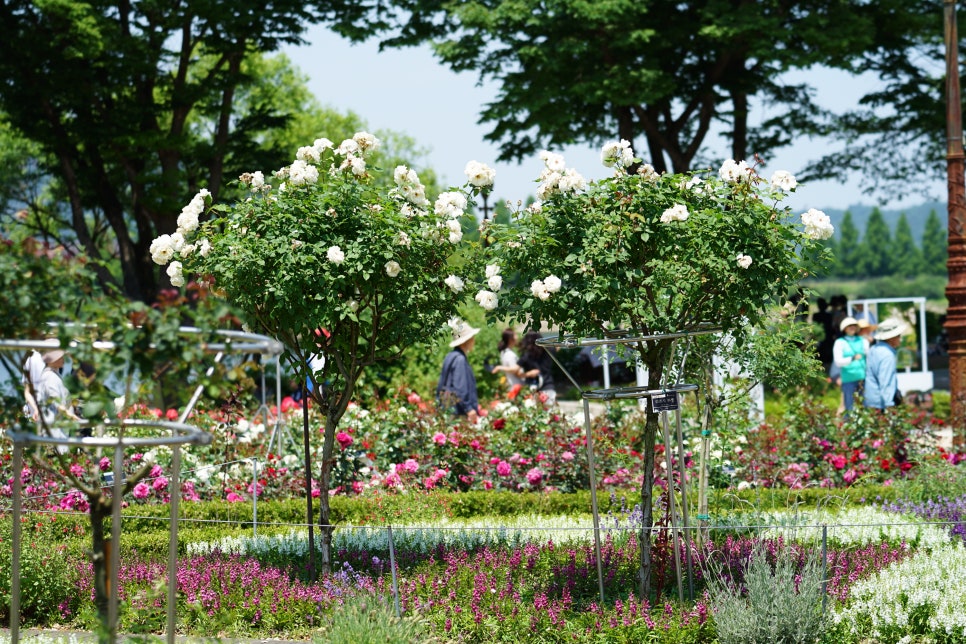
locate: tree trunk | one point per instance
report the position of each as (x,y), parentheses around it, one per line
(655,357)
(325,474)
(100,509)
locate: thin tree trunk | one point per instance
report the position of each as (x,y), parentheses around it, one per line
(654,358)
(100,509)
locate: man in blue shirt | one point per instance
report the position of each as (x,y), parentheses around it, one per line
(456,390)
(880,376)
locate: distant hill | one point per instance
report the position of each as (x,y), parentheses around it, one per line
(915,215)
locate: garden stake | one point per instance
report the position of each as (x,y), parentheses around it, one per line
(392,566)
(824,567)
(15,557)
(173,541)
(254,497)
(684,506)
(675,535)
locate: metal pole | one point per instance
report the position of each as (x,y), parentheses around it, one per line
(254,497)
(175,498)
(824,567)
(956,209)
(392,567)
(675,535)
(682,467)
(114,560)
(15,558)
(593,499)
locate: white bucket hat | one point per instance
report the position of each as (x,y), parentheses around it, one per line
(890,329)
(847,322)
(461,333)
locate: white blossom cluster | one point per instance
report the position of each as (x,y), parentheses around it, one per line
(931,585)
(452,206)
(677,212)
(732,171)
(744,261)
(817,224)
(479,174)
(410,187)
(861,526)
(543,289)
(557,177)
(617,153)
(165,247)
(488,299)
(784,181)
(648,173)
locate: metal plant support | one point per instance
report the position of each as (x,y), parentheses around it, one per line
(664,400)
(178,433)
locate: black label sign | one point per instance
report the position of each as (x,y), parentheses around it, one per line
(667,401)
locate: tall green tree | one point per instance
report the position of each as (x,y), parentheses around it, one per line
(906,256)
(135,104)
(873,258)
(660,73)
(935,251)
(847,247)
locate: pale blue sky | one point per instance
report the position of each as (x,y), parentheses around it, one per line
(409,91)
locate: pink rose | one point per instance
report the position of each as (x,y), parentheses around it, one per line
(160,484)
(141,491)
(413,398)
(439,438)
(534,476)
(567,456)
(410,465)
(343,439)
(503,468)
(233,498)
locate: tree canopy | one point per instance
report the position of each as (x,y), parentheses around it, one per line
(133,105)
(664,74)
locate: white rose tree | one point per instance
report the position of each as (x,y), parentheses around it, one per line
(652,254)
(332,265)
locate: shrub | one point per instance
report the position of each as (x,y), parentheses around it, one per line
(47,578)
(777,605)
(370,620)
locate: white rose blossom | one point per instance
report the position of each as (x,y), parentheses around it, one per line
(203,246)
(175,273)
(554,162)
(677,212)
(783,180)
(366,141)
(454,283)
(648,173)
(402,239)
(817,224)
(552,283)
(347,147)
(479,174)
(487,299)
(177,241)
(322,144)
(308,153)
(162,250)
(539,290)
(617,153)
(392,268)
(258,180)
(455,231)
(335,255)
(744,261)
(734,172)
(492,269)
(495,282)
(571,181)
(450,204)
(300,173)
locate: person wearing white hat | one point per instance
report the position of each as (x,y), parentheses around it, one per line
(849,354)
(881,385)
(53,397)
(456,389)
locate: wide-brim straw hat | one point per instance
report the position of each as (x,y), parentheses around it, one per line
(865,324)
(890,329)
(847,322)
(461,333)
(50,357)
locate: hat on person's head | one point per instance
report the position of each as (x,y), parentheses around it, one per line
(51,357)
(847,322)
(865,324)
(890,328)
(461,332)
